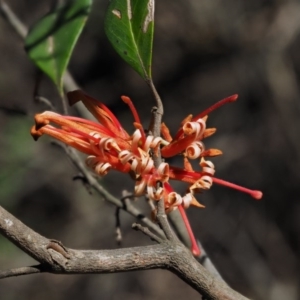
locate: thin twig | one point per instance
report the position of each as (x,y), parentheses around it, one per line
(13,20)
(118,226)
(157,114)
(164,223)
(21,271)
(151,204)
(159,105)
(147,232)
(45,101)
(64,102)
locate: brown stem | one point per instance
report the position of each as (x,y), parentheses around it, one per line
(147,232)
(157,114)
(159,109)
(61,260)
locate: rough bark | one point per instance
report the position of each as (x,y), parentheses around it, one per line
(54,257)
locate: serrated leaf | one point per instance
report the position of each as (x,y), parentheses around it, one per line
(129,25)
(51,41)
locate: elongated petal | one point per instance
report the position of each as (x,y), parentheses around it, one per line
(184,175)
(49,116)
(177,146)
(208,111)
(208,132)
(165,132)
(99,111)
(211,152)
(60,135)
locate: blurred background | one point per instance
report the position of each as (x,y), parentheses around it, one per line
(204,50)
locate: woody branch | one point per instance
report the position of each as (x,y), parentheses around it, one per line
(56,258)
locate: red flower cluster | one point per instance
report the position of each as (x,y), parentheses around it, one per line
(109,146)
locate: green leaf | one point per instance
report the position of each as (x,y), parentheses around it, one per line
(129,25)
(51,41)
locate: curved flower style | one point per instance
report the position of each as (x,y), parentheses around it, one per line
(109,146)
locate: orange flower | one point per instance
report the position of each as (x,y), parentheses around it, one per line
(109,146)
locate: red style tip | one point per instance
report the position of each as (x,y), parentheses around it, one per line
(194,245)
(128,101)
(232,98)
(253,193)
(196,252)
(257,195)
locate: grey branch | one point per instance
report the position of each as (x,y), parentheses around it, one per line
(147,232)
(21,271)
(56,258)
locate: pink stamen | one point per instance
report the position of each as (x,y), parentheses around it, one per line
(253,193)
(194,245)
